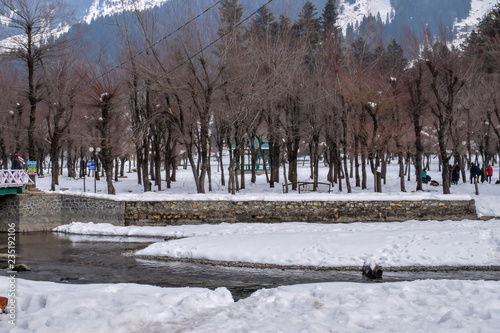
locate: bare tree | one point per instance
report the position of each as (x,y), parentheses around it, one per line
(59,94)
(447,78)
(103,100)
(12,104)
(31,24)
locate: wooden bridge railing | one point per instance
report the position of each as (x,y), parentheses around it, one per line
(14,178)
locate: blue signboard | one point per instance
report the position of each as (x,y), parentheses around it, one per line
(91,165)
(31,170)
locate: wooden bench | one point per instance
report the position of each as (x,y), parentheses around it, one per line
(307,187)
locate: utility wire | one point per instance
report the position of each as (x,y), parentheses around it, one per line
(150,47)
(178,29)
(142,51)
(215,41)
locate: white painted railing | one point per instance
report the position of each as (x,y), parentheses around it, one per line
(14,178)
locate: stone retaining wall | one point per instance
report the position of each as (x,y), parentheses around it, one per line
(194,212)
(42,212)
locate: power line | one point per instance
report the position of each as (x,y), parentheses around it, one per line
(151,46)
(170,34)
(215,41)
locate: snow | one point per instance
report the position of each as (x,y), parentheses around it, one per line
(418,306)
(111,7)
(479,8)
(352,13)
(410,243)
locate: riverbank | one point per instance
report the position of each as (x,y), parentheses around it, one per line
(412,269)
(183,189)
(42,212)
(417,244)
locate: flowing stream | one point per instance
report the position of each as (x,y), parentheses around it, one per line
(93,259)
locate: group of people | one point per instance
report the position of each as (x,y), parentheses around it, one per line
(476,174)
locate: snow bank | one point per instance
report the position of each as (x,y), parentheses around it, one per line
(419,306)
(410,243)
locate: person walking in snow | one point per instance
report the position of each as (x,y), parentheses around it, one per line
(455,174)
(16,163)
(474,172)
(489,173)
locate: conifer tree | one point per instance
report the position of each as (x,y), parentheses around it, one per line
(394,56)
(486,40)
(308,25)
(329,20)
(264,24)
(230,12)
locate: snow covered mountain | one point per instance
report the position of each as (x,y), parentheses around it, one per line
(352,11)
(459,15)
(89,10)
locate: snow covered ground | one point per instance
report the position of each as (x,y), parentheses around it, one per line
(418,306)
(128,189)
(411,243)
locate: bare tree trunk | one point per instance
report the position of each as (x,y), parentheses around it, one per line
(285,177)
(401,172)
(242,164)
(356,160)
(117,169)
(253,158)
(346,172)
(123,160)
(363,170)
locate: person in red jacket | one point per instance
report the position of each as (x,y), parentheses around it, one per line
(489,173)
(16,163)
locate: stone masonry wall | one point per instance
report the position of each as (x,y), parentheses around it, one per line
(9,210)
(194,212)
(42,212)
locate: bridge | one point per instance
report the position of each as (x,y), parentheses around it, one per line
(13,181)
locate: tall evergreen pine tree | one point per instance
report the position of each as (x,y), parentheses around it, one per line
(486,40)
(264,24)
(230,12)
(308,25)
(329,20)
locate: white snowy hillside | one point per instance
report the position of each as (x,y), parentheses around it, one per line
(89,10)
(479,8)
(351,12)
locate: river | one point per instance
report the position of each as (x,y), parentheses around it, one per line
(92,259)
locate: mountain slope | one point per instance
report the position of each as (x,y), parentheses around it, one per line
(460,16)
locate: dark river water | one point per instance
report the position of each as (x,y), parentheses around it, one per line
(91,259)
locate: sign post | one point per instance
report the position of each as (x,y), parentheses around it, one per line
(91,165)
(31,170)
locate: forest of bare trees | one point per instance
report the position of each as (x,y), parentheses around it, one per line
(220,83)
